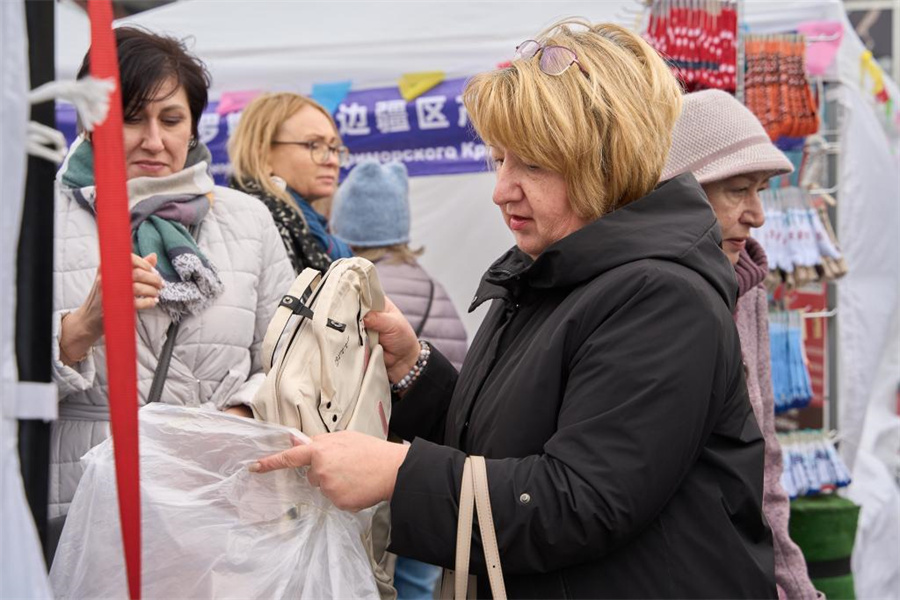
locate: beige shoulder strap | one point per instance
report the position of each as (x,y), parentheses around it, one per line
(486,526)
(474,493)
(287,308)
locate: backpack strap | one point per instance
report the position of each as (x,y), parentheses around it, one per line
(292,303)
(162,365)
(425,316)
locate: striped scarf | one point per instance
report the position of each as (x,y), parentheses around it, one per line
(162,211)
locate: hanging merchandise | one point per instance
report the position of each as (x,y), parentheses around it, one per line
(776,87)
(812,464)
(698,40)
(790,376)
(823,41)
(812,170)
(798,238)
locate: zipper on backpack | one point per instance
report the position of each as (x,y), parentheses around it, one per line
(359,326)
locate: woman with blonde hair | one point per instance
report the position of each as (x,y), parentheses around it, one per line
(287,152)
(605,386)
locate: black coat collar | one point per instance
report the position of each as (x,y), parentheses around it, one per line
(673,222)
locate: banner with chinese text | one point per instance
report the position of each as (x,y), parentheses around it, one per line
(430,134)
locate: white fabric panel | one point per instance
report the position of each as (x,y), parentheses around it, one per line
(291,44)
(777,16)
(29,400)
(462,232)
(14,112)
(22,571)
(874,560)
(868,228)
(876,471)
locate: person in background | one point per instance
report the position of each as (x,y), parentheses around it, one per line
(371,212)
(605,386)
(287,152)
(726,148)
(205,257)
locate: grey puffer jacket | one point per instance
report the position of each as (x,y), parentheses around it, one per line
(217,353)
(409,287)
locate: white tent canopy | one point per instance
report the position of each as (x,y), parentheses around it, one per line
(291,44)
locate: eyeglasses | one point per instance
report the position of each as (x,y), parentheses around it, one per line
(321,153)
(554,59)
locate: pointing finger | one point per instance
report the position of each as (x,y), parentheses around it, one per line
(298,456)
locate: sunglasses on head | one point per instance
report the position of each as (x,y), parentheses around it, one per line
(554,59)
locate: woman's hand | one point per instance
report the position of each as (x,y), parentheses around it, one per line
(241,410)
(353,470)
(82,327)
(396,336)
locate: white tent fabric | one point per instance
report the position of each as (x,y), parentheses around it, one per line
(289,45)
(22,570)
(876,470)
(868,227)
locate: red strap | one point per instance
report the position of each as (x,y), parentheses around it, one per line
(118,299)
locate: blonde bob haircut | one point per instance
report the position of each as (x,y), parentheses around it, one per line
(250,145)
(606,131)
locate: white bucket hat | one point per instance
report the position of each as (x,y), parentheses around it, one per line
(717,137)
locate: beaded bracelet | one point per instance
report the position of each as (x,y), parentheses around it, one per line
(408,379)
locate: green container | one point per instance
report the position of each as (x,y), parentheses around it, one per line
(824,527)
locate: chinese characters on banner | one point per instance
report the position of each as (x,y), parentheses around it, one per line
(431,134)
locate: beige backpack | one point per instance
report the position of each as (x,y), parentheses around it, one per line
(324,370)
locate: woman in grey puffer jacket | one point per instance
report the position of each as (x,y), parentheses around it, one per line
(204,256)
(371,213)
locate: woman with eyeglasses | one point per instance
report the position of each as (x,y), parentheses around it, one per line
(287,152)
(605,386)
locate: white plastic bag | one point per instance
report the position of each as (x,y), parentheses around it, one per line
(211,529)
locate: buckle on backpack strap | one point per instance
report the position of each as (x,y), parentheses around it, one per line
(296,306)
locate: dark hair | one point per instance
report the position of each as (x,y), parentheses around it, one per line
(146,61)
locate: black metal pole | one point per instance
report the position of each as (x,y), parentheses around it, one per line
(34,271)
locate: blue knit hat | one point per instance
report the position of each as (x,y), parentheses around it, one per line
(371,207)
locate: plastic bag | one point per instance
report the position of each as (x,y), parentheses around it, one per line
(211,529)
